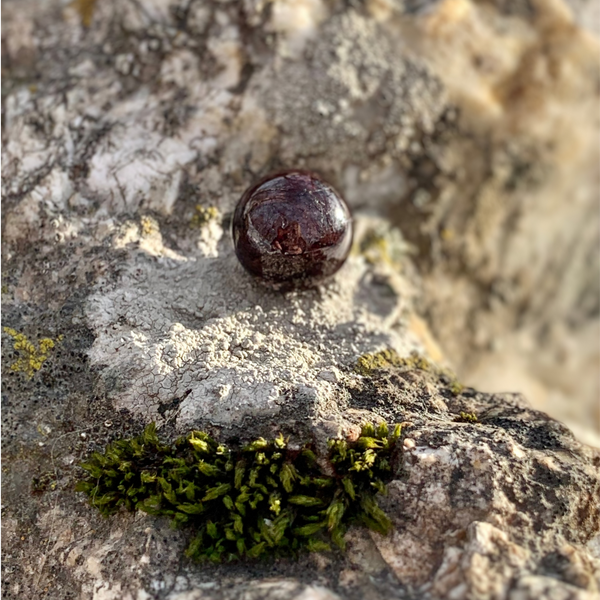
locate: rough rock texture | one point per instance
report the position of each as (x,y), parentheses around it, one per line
(488,509)
(472,126)
(506,507)
(464,136)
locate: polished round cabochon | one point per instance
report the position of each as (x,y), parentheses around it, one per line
(292,229)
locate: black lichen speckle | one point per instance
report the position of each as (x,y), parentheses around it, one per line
(545,434)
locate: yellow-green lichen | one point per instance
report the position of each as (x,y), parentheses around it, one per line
(46,482)
(465,417)
(149,225)
(456,387)
(367,364)
(31,357)
(375,247)
(263,499)
(383,244)
(203,215)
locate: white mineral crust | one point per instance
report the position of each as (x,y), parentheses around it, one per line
(199,334)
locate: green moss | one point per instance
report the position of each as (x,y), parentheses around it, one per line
(31,357)
(367,364)
(204,214)
(466,417)
(263,499)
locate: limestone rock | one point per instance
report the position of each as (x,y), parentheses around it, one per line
(464,136)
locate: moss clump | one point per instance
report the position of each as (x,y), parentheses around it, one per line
(31,357)
(204,214)
(384,359)
(262,499)
(465,417)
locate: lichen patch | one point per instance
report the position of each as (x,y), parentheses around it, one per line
(30,356)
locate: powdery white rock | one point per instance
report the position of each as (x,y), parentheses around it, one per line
(200,336)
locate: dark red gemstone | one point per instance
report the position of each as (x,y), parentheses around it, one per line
(292,229)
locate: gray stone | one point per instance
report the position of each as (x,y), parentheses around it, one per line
(464,136)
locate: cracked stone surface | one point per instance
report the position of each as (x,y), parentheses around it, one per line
(203,341)
(463,135)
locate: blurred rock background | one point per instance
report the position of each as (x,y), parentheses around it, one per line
(471,126)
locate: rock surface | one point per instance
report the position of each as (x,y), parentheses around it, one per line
(131,129)
(506,507)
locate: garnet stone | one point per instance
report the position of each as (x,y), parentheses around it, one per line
(292,229)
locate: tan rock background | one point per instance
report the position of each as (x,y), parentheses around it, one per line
(523,289)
